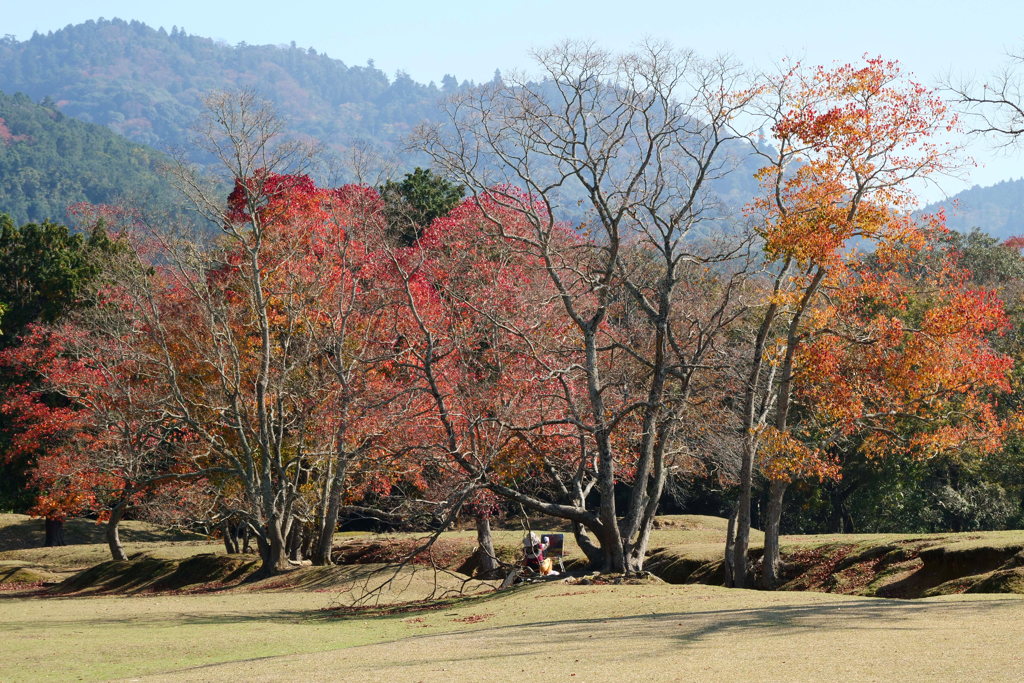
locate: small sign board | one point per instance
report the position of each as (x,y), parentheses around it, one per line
(556,547)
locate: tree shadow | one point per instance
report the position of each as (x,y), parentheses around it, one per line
(690,629)
(21,534)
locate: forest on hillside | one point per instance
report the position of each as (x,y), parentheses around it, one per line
(148,85)
(50,161)
(997,209)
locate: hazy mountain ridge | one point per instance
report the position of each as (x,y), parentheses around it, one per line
(997,209)
(147,84)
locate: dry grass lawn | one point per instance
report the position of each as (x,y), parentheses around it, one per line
(645,632)
(683,634)
(554,631)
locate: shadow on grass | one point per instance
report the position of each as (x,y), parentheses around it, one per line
(19,534)
(273,616)
(672,631)
(659,633)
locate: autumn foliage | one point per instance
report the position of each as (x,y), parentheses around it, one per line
(309,361)
(870,340)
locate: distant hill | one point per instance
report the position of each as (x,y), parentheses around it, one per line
(997,209)
(147,84)
(49,161)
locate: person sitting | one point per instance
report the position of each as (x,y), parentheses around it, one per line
(533,555)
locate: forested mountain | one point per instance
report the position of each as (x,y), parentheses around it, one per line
(148,84)
(49,161)
(997,210)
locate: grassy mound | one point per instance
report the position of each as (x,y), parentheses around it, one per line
(361,585)
(881,565)
(17,572)
(145,573)
(1001,581)
(71,559)
(684,549)
(909,567)
(445,553)
(689,548)
(206,572)
(17,577)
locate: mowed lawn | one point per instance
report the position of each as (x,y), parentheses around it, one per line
(551,632)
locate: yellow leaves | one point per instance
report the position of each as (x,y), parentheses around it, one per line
(783,458)
(784,297)
(775,351)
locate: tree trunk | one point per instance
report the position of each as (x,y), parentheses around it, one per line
(656,486)
(228,532)
(614,559)
(777,489)
(742,540)
(587,545)
(273,549)
(293,545)
(771,574)
(277,557)
(308,542)
(611,539)
(487,561)
(325,541)
(54,529)
(112,532)
(638,551)
(263,549)
(730,548)
(840,520)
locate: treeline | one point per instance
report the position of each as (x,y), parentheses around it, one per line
(48,272)
(405,353)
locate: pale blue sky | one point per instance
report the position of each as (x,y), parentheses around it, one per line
(471,39)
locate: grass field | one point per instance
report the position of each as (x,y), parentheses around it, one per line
(292,629)
(647,632)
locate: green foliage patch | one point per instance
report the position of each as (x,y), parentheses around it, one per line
(49,161)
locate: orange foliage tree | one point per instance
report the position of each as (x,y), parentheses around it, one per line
(833,342)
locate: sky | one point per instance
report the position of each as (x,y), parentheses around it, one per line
(470,39)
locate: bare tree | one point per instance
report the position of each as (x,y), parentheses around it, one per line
(624,147)
(996,106)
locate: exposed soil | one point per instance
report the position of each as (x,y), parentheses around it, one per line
(899,569)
